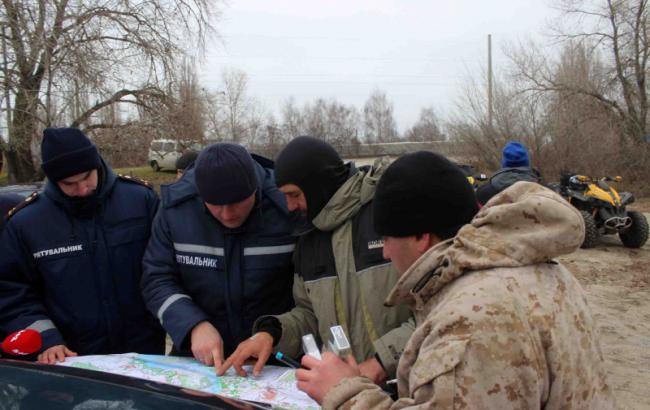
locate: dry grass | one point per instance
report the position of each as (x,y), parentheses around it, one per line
(155,178)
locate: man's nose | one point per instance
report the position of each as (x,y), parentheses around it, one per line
(228,212)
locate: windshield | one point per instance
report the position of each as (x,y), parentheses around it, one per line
(40,387)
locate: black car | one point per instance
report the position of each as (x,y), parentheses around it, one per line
(27,385)
(22,189)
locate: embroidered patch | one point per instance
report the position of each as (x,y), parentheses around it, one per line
(59,250)
(379,243)
(200,261)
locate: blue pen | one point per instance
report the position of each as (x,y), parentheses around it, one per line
(287,360)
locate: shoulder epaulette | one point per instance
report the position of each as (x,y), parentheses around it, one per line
(29,200)
(136,180)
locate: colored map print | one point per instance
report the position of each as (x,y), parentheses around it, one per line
(276,385)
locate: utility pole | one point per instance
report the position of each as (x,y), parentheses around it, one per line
(489,90)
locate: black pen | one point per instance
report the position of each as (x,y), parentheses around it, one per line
(287,360)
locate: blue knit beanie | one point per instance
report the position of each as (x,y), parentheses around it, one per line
(66,152)
(225,174)
(514,155)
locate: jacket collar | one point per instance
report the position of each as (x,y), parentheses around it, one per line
(357,191)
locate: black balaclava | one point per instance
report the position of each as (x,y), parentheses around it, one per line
(315,167)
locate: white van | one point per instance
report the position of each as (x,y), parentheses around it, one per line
(163,153)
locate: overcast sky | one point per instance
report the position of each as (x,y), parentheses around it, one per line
(417,51)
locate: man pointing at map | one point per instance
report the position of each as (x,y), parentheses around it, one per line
(219,254)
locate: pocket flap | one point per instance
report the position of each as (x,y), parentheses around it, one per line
(436,360)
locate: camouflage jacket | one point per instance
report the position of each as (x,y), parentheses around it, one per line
(500,325)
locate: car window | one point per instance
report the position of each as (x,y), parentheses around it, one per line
(156,145)
(169,146)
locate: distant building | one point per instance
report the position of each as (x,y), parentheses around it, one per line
(365,154)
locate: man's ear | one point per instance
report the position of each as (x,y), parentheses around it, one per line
(426,241)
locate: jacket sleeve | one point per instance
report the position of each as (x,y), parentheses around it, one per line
(479,362)
(299,321)
(20,304)
(433,382)
(390,346)
(153,202)
(164,296)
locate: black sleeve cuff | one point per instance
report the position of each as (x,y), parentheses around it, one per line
(272,326)
(379,361)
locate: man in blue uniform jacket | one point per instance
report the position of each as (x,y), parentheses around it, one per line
(70,258)
(220,254)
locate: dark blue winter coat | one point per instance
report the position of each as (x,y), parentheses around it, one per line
(73,272)
(196,269)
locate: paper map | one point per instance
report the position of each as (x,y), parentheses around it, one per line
(276,385)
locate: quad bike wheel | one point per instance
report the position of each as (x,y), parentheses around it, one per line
(637,234)
(591,231)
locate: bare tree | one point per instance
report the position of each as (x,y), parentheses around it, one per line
(517,116)
(292,120)
(378,118)
(188,121)
(330,121)
(118,51)
(235,103)
(617,29)
(427,128)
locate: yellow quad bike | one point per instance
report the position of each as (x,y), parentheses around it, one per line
(604,210)
(474,178)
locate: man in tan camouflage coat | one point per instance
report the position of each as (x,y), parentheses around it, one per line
(500,324)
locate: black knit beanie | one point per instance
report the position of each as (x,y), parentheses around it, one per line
(315,167)
(186,160)
(66,152)
(423,192)
(225,174)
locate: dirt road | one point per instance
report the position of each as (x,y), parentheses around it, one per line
(617,281)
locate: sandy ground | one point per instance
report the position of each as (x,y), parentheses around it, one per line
(617,281)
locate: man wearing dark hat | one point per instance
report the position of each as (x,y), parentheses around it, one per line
(341,277)
(70,257)
(184,161)
(515,166)
(219,254)
(500,324)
